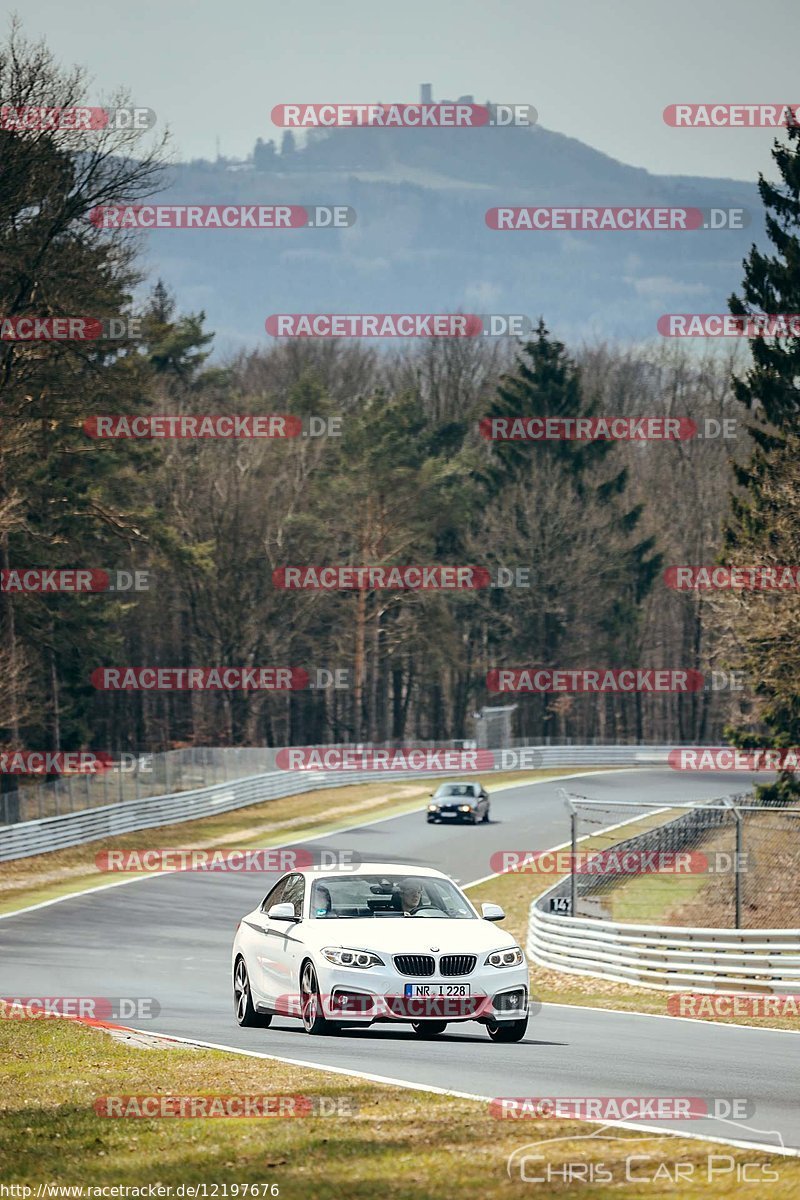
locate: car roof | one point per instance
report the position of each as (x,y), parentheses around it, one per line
(373,868)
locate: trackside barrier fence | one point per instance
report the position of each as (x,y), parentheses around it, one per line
(677,953)
(56,831)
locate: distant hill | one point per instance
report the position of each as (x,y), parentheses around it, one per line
(420,242)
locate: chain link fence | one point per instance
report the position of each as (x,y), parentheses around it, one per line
(727,863)
(134,777)
(142,776)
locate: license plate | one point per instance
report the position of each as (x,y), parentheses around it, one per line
(436,989)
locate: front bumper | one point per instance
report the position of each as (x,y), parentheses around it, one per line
(377,994)
(451,814)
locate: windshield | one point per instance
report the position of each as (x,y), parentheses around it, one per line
(456,789)
(387,896)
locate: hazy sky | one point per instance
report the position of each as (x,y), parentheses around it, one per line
(598,70)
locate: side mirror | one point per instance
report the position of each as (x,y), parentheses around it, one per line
(489,912)
(282,912)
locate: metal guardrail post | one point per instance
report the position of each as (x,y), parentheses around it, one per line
(730,801)
(738,868)
(573,843)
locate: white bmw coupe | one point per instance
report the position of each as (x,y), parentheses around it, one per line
(379,942)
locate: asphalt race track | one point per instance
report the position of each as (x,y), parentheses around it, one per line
(169,937)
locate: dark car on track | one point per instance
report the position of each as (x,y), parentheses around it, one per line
(459,802)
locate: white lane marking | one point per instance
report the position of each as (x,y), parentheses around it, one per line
(314,837)
(632,1012)
(429,1087)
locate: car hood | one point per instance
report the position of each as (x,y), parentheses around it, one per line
(408,935)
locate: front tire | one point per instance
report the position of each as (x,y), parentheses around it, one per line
(243,1006)
(428,1029)
(507,1031)
(486,816)
(310,1003)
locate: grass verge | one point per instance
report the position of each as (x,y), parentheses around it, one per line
(398,1144)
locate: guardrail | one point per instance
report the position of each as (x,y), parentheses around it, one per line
(39,836)
(664,957)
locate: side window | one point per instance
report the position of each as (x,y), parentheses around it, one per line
(294,892)
(276,895)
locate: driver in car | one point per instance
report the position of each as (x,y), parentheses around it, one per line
(410,896)
(322,900)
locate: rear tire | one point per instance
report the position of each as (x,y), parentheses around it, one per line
(311,1005)
(428,1029)
(243,1006)
(507,1031)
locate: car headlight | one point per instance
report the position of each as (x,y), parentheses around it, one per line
(433,808)
(343,957)
(465,808)
(510,956)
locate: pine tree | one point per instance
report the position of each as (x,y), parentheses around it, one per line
(758,534)
(547,383)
